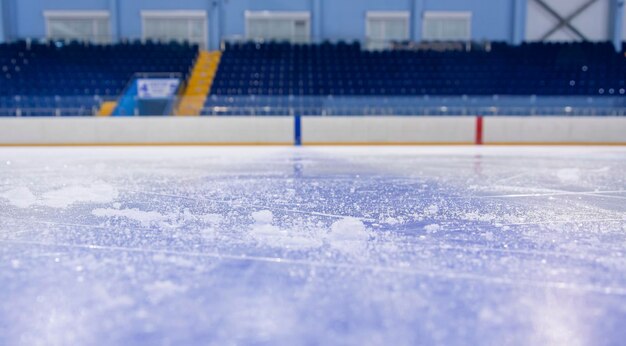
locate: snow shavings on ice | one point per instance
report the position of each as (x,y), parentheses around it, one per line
(263,217)
(432,228)
(145,218)
(348,235)
(265,233)
(348,229)
(149,218)
(568,175)
(23,197)
(160,290)
(431,210)
(20,197)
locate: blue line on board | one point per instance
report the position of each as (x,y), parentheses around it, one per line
(297,140)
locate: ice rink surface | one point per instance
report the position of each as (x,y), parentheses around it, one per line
(313,245)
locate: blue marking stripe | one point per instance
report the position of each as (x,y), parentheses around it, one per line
(297,131)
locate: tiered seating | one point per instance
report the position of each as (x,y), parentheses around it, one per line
(66,105)
(255,78)
(346,69)
(413,105)
(73,79)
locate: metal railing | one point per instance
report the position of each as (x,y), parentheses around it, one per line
(368,43)
(413,105)
(255,105)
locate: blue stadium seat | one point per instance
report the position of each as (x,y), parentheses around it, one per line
(53,78)
(273,70)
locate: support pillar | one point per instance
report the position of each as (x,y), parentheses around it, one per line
(213,18)
(113,16)
(617,22)
(417,13)
(519,21)
(316,14)
(2,21)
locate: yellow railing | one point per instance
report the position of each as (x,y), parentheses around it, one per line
(106,108)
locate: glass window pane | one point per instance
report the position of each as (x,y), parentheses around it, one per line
(396,30)
(257,27)
(176,29)
(454,29)
(102,33)
(280,29)
(72,29)
(196,30)
(377,31)
(381,31)
(95,29)
(301,30)
(446,29)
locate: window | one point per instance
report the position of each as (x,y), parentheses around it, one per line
(90,26)
(447,26)
(278,26)
(384,27)
(180,26)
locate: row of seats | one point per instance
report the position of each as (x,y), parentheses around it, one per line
(47,112)
(77,68)
(345,69)
(56,78)
(424,100)
(49,101)
(51,77)
(413,111)
(412,105)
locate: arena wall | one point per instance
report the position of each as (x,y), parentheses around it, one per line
(388,130)
(284,130)
(559,130)
(146,130)
(330,19)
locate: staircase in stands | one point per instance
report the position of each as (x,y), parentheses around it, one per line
(199,83)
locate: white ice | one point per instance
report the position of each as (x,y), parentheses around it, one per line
(313,245)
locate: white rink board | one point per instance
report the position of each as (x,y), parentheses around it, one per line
(388,129)
(314,130)
(556,129)
(157,130)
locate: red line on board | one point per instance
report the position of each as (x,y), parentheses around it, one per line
(479,129)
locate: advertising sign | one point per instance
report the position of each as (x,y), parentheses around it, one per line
(157,88)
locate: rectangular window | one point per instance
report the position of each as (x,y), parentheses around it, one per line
(179,26)
(447,26)
(382,28)
(278,26)
(89,26)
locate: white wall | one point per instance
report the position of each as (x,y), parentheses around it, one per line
(112,130)
(554,130)
(594,22)
(315,130)
(388,129)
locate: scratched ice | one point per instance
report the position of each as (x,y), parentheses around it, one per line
(395,246)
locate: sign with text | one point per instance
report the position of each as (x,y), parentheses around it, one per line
(157,88)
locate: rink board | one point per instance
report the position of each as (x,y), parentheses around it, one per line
(313,130)
(147,130)
(589,129)
(388,130)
